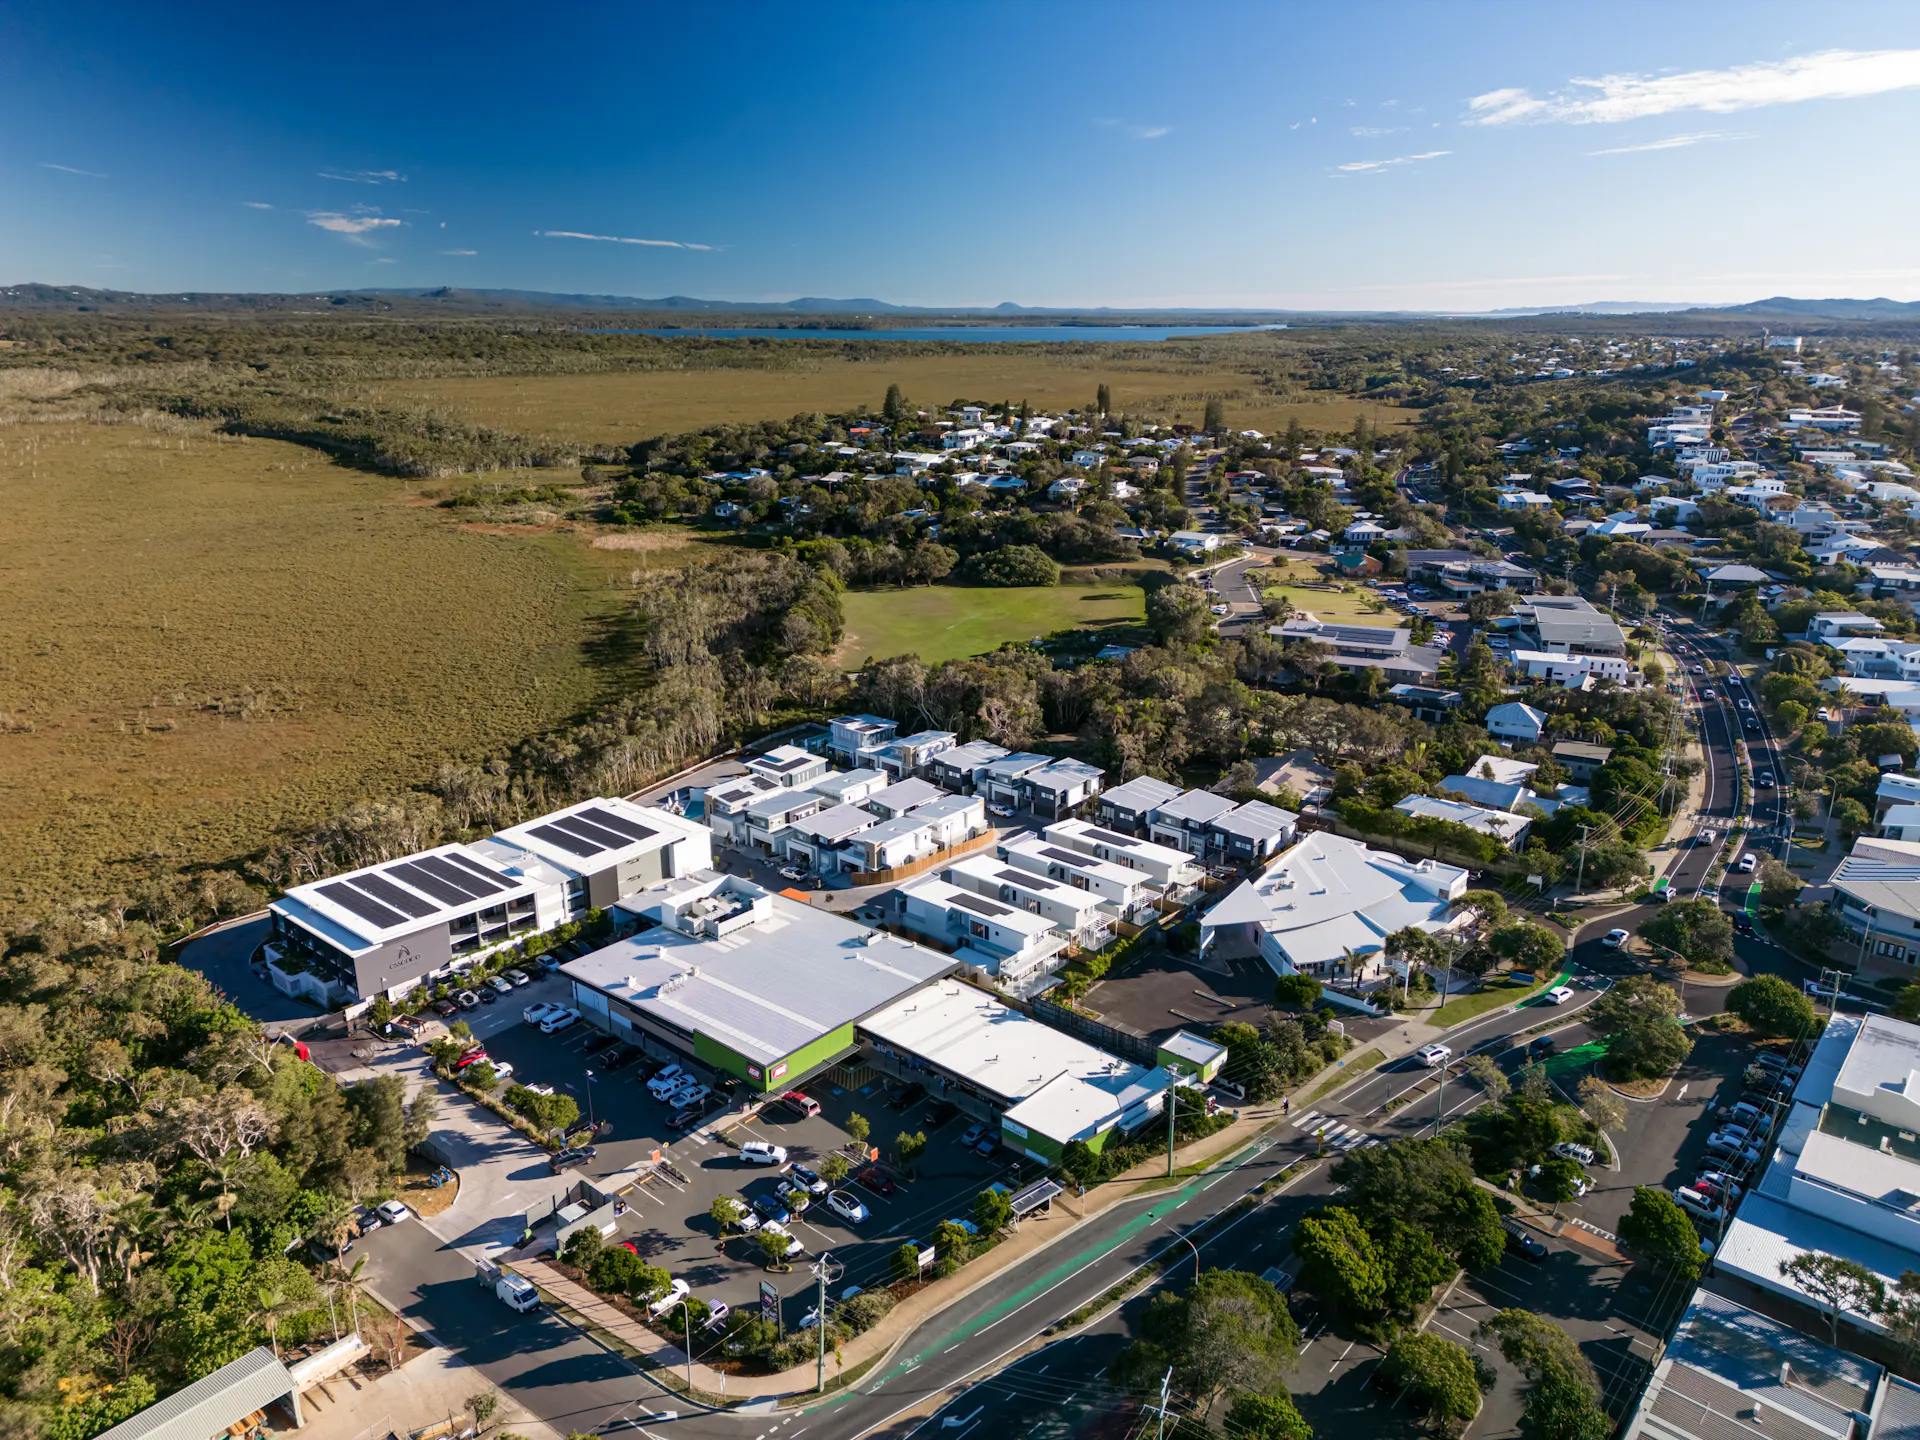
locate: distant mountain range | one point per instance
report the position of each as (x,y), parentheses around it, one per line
(813,308)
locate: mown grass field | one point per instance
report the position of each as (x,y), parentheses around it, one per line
(948,622)
(633,405)
(1347,607)
(203,640)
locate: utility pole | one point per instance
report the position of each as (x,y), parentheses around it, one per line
(687,1310)
(1173,1101)
(1165,1380)
(824,1271)
(1440,1102)
(1580,875)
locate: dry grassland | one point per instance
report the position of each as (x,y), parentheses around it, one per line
(609,409)
(204,640)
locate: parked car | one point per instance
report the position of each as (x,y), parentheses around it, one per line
(797,1196)
(517,978)
(554,1024)
(771,1207)
(472,1057)
(801,1104)
(794,1247)
(620,1057)
(748,1221)
(670,1297)
(1435,1056)
(445,1009)
(762,1152)
(792,872)
(665,1082)
(575,1155)
(499,984)
(486,994)
(393,1212)
(686,1119)
(907,1098)
(717,1313)
(847,1208)
(1521,1239)
(939,1113)
(973,1134)
(466,999)
(1694,1203)
(1574,1150)
(875,1179)
(810,1179)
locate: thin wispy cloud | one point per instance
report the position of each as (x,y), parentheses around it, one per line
(459,252)
(1365,132)
(365,177)
(1672,142)
(384,260)
(351,226)
(1829,75)
(72,170)
(1367,167)
(256,204)
(1135,131)
(620,239)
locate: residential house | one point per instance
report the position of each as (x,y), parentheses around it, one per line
(817,843)
(1878,889)
(1509,829)
(1427,703)
(1673,510)
(1568,623)
(849,787)
(1880,659)
(1174,871)
(1831,624)
(761,822)
(1122,893)
(1012,947)
(913,754)
(1516,722)
(1574,671)
(724,805)
(1895,790)
(1366,647)
(1072,911)
(903,796)
(1126,807)
(1329,900)
(1251,832)
(1195,542)
(1580,758)
(1067,488)
(855,741)
(1056,790)
(1000,780)
(1185,822)
(789,767)
(1523,500)
(962,768)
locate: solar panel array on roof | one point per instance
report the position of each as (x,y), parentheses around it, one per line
(979,906)
(1066,857)
(471,881)
(348,898)
(1108,836)
(619,824)
(454,857)
(396,897)
(572,844)
(1026,879)
(785,765)
(428,883)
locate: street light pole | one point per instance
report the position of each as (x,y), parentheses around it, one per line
(589,1099)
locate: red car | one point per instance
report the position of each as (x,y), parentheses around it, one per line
(876,1180)
(805,1105)
(472,1057)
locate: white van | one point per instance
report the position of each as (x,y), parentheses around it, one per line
(516,1293)
(1696,1204)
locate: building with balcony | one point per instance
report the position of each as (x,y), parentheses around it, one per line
(1126,807)
(1173,871)
(856,741)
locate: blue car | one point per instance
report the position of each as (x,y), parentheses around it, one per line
(770,1208)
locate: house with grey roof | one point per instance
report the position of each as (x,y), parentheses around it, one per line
(1126,807)
(962,768)
(1568,624)
(913,754)
(1055,791)
(1355,648)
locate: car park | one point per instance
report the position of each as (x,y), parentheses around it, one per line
(973,1134)
(663,1082)
(517,978)
(939,1113)
(1574,1150)
(466,999)
(1614,939)
(698,1095)
(539,1089)
(445,1009)
(1717,1180)
(771,1207)
(486,994)
(393,1212)
(554,1024)
(1434,1056)
(1700,1206)
(907,1098)
(795,1196)
(987,1144)
(777,1227)
(762,1152)
(620,1057)
(687,1118)
(1559,995)
(847,1208)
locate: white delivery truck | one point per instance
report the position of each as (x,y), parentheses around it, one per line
(516,1292)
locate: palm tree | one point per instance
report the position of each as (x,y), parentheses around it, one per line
(348,1279)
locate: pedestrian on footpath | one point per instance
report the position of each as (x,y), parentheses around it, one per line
(1286,1104)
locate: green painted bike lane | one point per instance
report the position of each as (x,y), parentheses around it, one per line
(1066,1269)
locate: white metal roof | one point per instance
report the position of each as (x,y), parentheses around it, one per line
(595,834)
(365,908)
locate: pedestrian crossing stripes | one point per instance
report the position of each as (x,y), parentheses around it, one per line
(1335,1134)
(1603,1234)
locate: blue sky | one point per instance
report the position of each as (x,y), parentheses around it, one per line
(1431,156)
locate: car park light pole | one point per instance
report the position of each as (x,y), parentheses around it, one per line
(589,1098)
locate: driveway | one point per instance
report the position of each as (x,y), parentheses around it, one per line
(226,958)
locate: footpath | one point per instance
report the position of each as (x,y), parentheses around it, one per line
(429,1390)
